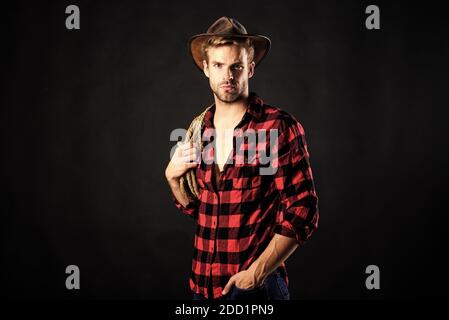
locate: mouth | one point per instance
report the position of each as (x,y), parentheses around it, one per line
(227,87)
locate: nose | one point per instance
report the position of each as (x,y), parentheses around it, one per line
(229,75)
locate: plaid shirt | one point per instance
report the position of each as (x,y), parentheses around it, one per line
(236,221)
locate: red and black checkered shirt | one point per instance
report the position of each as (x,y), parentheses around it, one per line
(237,218)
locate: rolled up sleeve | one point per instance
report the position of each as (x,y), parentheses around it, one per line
(298,216)
(190,210)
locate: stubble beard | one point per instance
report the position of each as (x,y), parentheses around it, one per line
(229,97)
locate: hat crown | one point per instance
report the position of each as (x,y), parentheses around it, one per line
(229,28)
(226,25)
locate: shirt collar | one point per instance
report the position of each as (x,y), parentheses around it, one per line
(255,109)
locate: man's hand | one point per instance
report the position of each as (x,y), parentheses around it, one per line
(181,161)
(245,280)
(277,251)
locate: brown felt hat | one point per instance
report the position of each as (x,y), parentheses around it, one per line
(228,27)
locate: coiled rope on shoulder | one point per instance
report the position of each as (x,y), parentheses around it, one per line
(188,182)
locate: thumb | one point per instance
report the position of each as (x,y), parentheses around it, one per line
(228,286)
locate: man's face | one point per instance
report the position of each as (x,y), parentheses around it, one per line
(228,71)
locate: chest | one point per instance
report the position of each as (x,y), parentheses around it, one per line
(223,147)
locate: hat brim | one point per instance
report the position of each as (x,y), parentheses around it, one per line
(261,44)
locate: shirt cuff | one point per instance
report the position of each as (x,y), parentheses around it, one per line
(191,209)
(286,229)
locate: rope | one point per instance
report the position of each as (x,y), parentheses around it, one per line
(188,182)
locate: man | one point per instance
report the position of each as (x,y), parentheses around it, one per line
(248,224)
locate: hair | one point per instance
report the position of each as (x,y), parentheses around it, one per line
(217,41)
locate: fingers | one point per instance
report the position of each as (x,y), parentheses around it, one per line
(186,148)
(229,285)
(189,158)
(189,152)
(187,162)
(185,145)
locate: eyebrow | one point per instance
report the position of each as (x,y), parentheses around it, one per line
(236,62)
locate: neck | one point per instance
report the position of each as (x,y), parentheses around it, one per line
(229,114)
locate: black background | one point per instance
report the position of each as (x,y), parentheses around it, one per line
(87,114)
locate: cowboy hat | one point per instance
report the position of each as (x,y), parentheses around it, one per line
(227,27)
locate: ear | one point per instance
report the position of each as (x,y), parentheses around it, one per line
(251,67)
(205,68)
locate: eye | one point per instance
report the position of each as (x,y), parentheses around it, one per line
(238,67)
(217,65)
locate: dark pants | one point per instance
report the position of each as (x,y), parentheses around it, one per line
(273,288)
